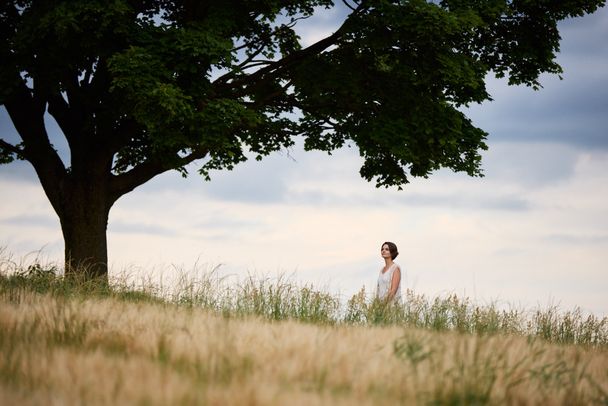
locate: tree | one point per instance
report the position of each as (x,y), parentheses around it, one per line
(140,87)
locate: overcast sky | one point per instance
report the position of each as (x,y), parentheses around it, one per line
(533,231)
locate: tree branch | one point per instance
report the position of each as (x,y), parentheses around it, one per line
(294,21)
(125,129)
(255,62)
(100,79)
(86,79)
(126,182)
(12,148)
(229,75)
(60,110)
(276,67)
(243,46)
(74,94)
(28,117)
(27,114)
(348,5)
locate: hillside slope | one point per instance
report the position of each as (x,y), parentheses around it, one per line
(64,350)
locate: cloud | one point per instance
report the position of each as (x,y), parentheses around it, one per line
(584,36)
(364,196)
(573,239)
(468,202)
(571,111)
(513,170)
(25,220)
(322,24)
(529,164)
(19,170)
(7,129)
(222,221)
(251,181)
(139,228)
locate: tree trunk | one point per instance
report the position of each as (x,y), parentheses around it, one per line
(84,221)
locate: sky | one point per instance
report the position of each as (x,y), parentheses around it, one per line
(533,232)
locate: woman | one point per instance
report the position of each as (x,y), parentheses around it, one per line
(389,280)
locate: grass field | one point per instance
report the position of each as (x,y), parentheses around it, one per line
(271,342)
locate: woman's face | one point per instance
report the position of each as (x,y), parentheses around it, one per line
(385,251)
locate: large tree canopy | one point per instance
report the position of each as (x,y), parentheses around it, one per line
(139,87)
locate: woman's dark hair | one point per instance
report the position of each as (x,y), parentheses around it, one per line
(392,248)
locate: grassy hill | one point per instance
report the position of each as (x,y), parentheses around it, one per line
(269,342)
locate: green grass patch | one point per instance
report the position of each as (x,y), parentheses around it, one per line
(280,299)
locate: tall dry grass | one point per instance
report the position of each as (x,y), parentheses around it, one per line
(102,350)
(279,298)
(270,341)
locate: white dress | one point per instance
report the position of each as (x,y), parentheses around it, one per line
(384,284)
